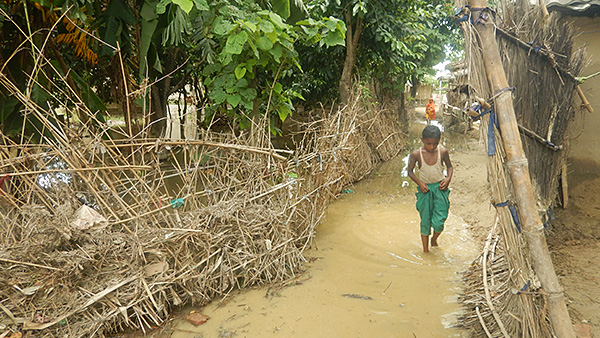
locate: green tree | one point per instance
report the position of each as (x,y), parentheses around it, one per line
(28,35)
(241,54)
(388,40)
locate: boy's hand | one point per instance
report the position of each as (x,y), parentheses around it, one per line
(423,187)
(444,183)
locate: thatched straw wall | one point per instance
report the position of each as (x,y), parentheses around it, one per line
(503,297)
(544,88)
(177,221)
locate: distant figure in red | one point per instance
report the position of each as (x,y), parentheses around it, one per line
(430,111)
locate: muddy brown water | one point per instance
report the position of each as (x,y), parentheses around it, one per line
(368,276)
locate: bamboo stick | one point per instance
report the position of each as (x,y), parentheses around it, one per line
(518,168)
(30,264)
(210,144)
(482,322)
(540,139)
(488,296)
(75,170)
(564,184)
(584,101)
(544,9)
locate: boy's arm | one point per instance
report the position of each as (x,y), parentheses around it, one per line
(449,169)
(412,160)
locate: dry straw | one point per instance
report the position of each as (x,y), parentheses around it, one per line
(503,296)
(176,221)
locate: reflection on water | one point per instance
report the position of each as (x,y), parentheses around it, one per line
(54,179)
(405,259)
(369,276)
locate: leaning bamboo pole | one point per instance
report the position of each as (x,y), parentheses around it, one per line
(519,171)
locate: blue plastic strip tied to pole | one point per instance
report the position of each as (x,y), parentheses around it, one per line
(513,213)
(491,133)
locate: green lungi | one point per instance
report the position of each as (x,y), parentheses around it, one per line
(433,207)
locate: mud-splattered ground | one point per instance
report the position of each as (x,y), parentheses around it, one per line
(574,245)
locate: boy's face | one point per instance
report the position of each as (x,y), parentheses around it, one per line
(430,144)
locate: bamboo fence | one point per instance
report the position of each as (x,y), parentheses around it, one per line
(503,297)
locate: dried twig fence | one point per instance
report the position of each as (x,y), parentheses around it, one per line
(102,233)
(504,297)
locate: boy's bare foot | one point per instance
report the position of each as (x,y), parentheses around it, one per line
(434,238)
(425,241)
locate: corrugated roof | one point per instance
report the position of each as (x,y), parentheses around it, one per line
(575,7)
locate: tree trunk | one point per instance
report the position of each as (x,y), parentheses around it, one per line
(352,36)
(161,91)
(159,112)
(415,86)
(532,225)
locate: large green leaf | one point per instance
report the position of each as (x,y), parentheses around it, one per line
(276,19)
(235,43)
(222,26)
(249,94)
(266,26)
(281,7)
(115,19)
(334,39)
(185,5)
(202,5)
(284,111)
(234,99)
(250,25)
(218,95)
(240,71)
(277,52)
(178,27)
(149,22)
(264,43)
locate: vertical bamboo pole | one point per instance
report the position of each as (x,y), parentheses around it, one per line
(518,167)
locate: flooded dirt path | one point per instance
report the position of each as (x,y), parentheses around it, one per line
(370,277)
(367,275)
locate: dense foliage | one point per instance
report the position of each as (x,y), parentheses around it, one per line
(241,58)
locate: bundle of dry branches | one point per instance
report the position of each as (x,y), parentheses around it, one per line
(103,233)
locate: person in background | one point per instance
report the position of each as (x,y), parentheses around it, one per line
(430,111)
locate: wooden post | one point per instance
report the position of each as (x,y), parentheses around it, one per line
(544,9)
(564,183)
(518,167)
(584,101)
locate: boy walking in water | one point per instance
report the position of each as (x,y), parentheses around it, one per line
(432,192)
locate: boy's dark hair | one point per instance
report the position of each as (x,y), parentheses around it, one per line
(431,131)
